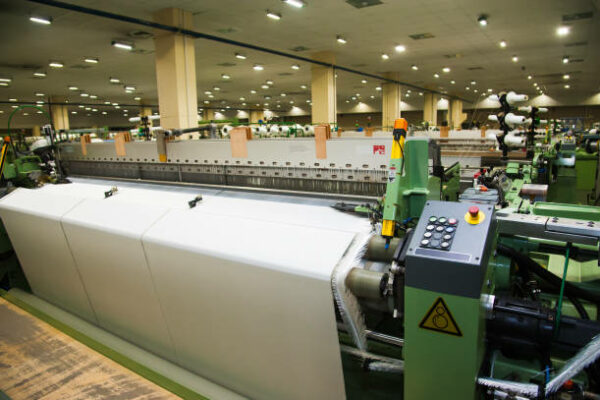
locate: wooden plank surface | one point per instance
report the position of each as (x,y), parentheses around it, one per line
(38,361)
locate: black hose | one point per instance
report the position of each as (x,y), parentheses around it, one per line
(573,292)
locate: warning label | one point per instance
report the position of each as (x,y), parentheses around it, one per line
(379,149)
(440,319)
(392,174)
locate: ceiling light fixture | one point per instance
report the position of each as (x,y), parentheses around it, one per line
(385,56)
(446,69)
(304,87)
(122,45)
(225,76)
(436,75)
(503,44)
(295,3)
(567,86)
(273,15)
(565,59)
(216,88)
(529,77)
(566,77)
(473,83)
(41,20)
(240,56)
(93,96)
(91,60)
(452,82)
(296,67)
(73,88)
(40,94)
(114,80)
(129,87)
(563,30)
(39,74)
(265,87)
(269,82)
(515,59)
(253,91)
(400,48)
(137,98)
(414,67)
(258,67)
(84,95)
(7,80)
(341,40)
(482,20)
(56,64)
(378,88)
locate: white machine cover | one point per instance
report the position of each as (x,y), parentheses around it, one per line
(235,290)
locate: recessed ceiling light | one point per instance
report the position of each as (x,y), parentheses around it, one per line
(565,59)
(567,86)
(502,43)
(73,112)
(258,67)
(265,86)
(210,96)
(475,90)
(414,67)
(206,102)
(40,94)
(4,84)
(117,107)
(122,45)
(446,69)
(452,82)
(303,87)
(39,74)
(41,20)
(207,92)
(385,56)
(91,60)
(563,30)
(115,104)
(104,112)
(253,91)
(436,75)
(56,64)
(88,108)
(515,58)
(378,88)
(420,93)
(7,80)
(400,48)
(566,77)
(73,88)
(240,56)
(473,83)
(93,96)
(80,106)
(296,67)
(364,81)
(283,94)
(114,80)
(14,106)
(242,98)
(490,90)
(269,82)
(107,102)
(129,87)
(273,15)
(341,40)
(84,95)
(529,77)
(467,88)
(535,84)
(137,98)
(295,3)
(12,99)
(216,88)
(225,76)
(482,19)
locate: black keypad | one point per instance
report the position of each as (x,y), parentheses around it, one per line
(439,232)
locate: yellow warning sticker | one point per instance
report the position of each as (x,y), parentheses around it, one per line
(440,319)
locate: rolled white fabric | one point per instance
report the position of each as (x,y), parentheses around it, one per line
(493,117)
(512,97)
(525,109)
(512,119)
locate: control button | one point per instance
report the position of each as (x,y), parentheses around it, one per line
(452,221)
(474,211)
(424,242)
(445,245)
(432,219)
(439,228)
(430,227)
(450,229)
(442,220)
(447,237)
(435,243)
(437,236)
(427,235)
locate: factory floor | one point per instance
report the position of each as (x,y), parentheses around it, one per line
(38,361)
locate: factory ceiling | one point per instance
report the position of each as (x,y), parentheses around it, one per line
(443,47)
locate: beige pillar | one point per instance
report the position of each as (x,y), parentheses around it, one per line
(256,115)
(430,108)
(36,131)
(323,90)
(455,113)
(208,114)
(392,96)
(176,71)
(59,114)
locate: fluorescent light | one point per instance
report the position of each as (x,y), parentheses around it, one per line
(137,98)
(273,15)
(563,30)
(567,86)
(3,83)
(446,69)
(295,3)
(114,80)
(436,75)
(283,94)
(269,82)
(207,92)
(482,20)
(225,76)
(258,67)
(122,45)
(104,112)
(41,20)
(364,81)
(296,67)
(473,83)
(84,95)
(385,56)
(490,90)
(265,86)
(565,59)
(515,58)
(242,98)
(529,77)
(56,64)
(93,96)
(378,88)
(13,100)
(566,77)
(240,56)
(39,74)
(502,43)
(400,48)
(206,102)
(253,91)
(216,88)
(129,87)
(91,60)
(341,40)
(40,94)
(73,88)
(107,102)
(5,79)
(303,87)
(467,88)
(414,67)
(452,82)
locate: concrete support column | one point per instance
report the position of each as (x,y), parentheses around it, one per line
(455,113)
(392,97)
(59,114)
(430,108)
(323,90)
(36,131)
(208,114)
(176,71)
(256,115)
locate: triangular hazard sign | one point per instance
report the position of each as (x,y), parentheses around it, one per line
(440,319)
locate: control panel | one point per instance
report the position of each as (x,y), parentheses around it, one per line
(450,247)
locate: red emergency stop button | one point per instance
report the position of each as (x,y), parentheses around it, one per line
(569,385)
(474,211)
(474,216)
